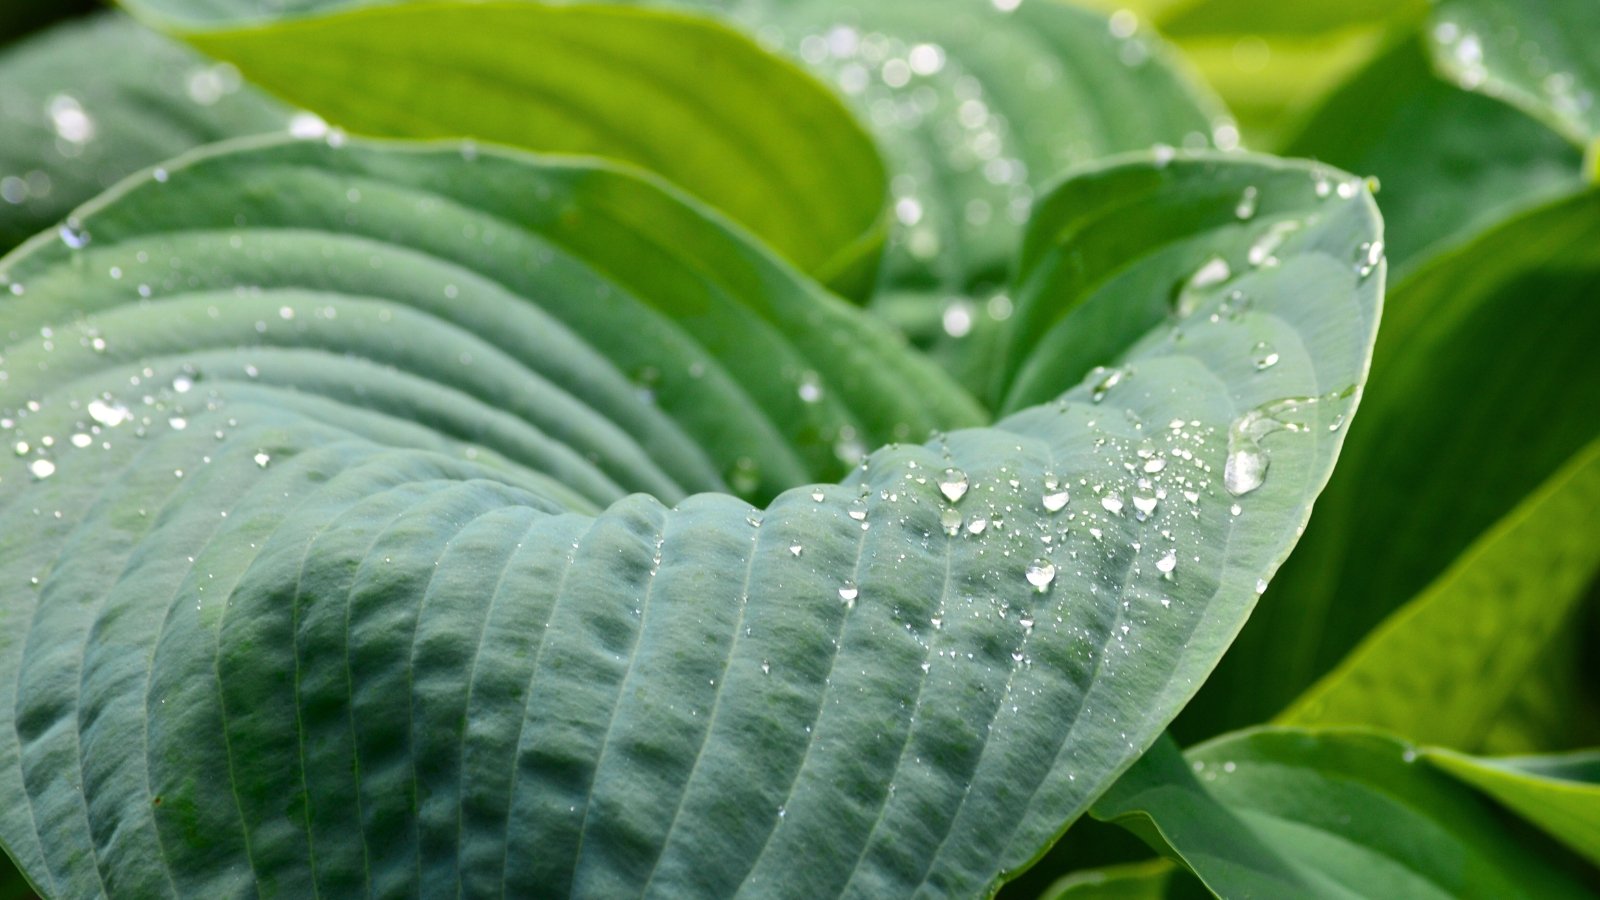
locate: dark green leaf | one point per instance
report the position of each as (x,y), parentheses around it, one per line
(1442,668)
(1560,794)
(311,593)
(1338,814)
(1484,366)
(1452,162)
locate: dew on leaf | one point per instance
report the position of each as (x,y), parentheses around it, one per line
(953,484)
(1039,574)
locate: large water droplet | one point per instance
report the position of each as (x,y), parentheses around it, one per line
(73,235)
(848,593)
(42,468)
(1039,574)
(1055,501)
(953,484)
(1167,562)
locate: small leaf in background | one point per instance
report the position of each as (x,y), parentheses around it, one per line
(1560,794)
(329,452)
(979,107)
(1441,669)
(1273,61)
(1539,56)
(89,102)
(680,95)
(1452,163)
(1337,814)
(1485,355)
(1131,881)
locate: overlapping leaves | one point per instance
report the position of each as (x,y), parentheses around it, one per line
(332,582)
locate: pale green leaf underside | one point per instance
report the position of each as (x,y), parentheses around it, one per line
(678,94)
(90,102)
(1441,669)
(1560,794)
(1334,814)
(1539,56)
(322,601)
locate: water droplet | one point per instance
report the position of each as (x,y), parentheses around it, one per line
(953,484)
(1168,562)
(42,468)
(810,388)
(262,459)
(1039,574)
(1145,505)
(950,518)
(73,235)
(178,423)
(1186,298)
(977,525)
(796,549)
(82,440)
(766,669)
(108,414)
(957,319)
(817,495)
(1055,501)
(307,126)
(1111,503)
(71,123)
(1261,585)
(1265,357)
(1155,465)
(848,594)
(1246,207)
(182,384)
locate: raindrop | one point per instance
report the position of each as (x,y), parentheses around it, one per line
(1261,585)
(950,518)
(953,484)
(1168,562)
(182,384)
(73,235)
(1155,465)
(107,414)
(848,593)
(1055,501)
(958,319)
(42,468)
(1145,505)
(1186,298)
(810,389)
(178,423)
(1265,357)
(817,495)
(977,525)
(1112,504)
(1040,573)
(1246,208)
(796,549)
(82,439)
(262,459)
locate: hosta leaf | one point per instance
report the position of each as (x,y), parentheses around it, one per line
(1441,669)
(1339,814)
(308,589)
(1130,881)
(978,107)
(90,102)
(1450,443)
(1452,162)
(1560,794)
(678,94)
(1539,56)
(1271,61)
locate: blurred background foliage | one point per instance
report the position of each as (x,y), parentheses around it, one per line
(1446,589)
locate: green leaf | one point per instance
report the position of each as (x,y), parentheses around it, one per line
(90,102)
(1452,162)
(979,109)
(1450,443)
(1291,813)
(1442,668)
(323,600)
(680,95)
(1537,56)
(1129,881)
(1272,61)
(1560,794)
